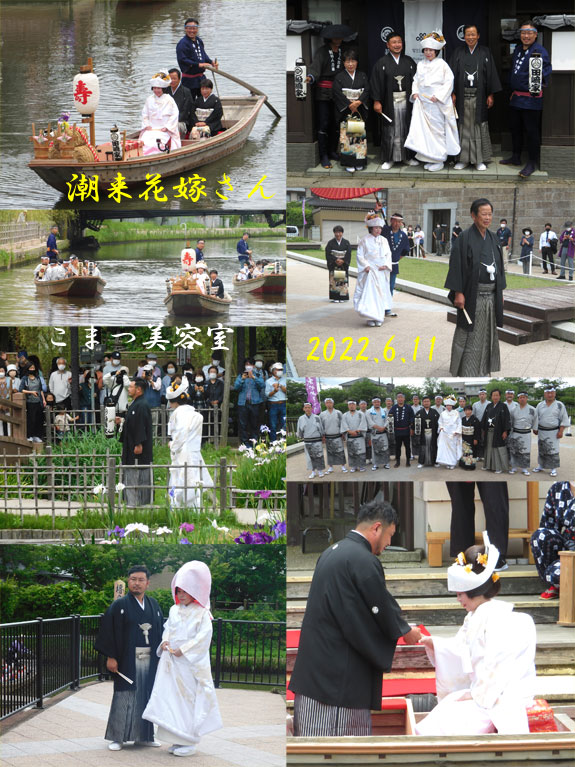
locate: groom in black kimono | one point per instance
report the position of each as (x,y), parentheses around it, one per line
(349,632)
(390,88)
(130,632)
(137,446)
(426,424)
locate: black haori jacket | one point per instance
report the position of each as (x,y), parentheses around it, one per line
(350,629)
(463,274)
(120,634)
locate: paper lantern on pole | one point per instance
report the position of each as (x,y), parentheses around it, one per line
(86,93)
(188,259)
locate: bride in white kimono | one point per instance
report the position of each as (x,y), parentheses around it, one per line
(372,297)
(160,118)
(433,129)
(185,429)
(183,702)
(449,440)
(485,674)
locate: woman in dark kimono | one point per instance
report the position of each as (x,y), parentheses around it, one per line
(471,437)
(338,257)
(526,249)
(350,95)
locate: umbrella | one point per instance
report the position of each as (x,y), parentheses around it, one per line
(338,32)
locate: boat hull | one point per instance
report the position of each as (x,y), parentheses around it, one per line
(267,284)
(57,173)
(73,287)
(187,304)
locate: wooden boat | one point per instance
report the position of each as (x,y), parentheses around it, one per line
(266,284)
(191,303)
(393,743)
(71,287)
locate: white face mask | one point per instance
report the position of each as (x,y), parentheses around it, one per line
(115,362)
(277,372)
(171,371)
(259,364)
(2,373)
(213,376)
(61,367)
(249,368)
(198,379)
(215,363)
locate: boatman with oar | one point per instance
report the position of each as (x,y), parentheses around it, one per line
(51,245)
(349,632)
(192,57)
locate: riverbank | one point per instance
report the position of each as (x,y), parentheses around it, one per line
(121,231)
(29,253)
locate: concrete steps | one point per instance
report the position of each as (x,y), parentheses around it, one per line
(517,329)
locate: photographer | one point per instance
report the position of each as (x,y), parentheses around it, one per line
(116,383)
(153,392)
(250,386)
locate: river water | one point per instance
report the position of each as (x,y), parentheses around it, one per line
(44,43)
(135,275)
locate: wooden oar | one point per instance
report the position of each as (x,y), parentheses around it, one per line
(249,87)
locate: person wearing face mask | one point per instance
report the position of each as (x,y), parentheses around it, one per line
(276,388)
(198,393)
(60,384)
(259,366)
(215,363)
(250,386)
(350,94)
(214,391)
(170,369)
(113,363)
(7,387)
(548,247)
(153,394)
(31,386)
(504,236)
(117,382)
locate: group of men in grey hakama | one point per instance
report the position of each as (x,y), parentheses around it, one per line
(310,429)
(551,416)
(523,422)
(331,423)
(355,421)
(377,423)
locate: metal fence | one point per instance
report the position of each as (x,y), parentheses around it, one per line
(85,420)
(44,656)
(65,484)
(21,233)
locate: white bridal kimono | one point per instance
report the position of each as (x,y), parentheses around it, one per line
(183,702)
(160,112)
(433,129)
(449,444)
(372,295)
(185,429)
(485,674)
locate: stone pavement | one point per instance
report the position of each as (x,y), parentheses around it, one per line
(70,733)
(310,313)
(297,471)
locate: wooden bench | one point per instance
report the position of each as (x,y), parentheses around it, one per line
(435,543)
(567,589)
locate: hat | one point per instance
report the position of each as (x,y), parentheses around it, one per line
(527,230)
(173,392)
(450,401)
(151,356)
(460,576)
(22,353)
(433,40)
(438,396)
(196,580)
(160,80)
(115,355)
(147,367)
(374,219)
(11,367)
(277,366)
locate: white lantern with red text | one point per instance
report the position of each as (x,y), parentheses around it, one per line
(188,259)
(86,93)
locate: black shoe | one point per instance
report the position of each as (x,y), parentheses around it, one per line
(325,163)
(407,463)
(511,161)
(527,170)
(562,277)
(396,465)
(501,565)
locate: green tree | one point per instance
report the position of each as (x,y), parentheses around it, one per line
(294,214)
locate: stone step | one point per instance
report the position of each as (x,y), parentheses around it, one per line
(444,611)
(509,334)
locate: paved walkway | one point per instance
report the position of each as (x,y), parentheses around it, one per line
(297,471)
(70,733)
(310,313)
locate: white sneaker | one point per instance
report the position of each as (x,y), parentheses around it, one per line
(352,471)
(371,323)
(320,474)
(184,751)
(115,746)
(349,170)
(537,469)
(481,166)
(387,165)
(173,748)
(312,475)
(420,466)
(148,743)
(512,471)
(460,166)
(378,324)
(527,472)
(413,162)
(363,469)
(374,467)
(387,466)
(329,469)
(499,471)
(434,166)
(553,473)
(344,469)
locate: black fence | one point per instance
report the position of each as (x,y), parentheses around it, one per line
(44,656)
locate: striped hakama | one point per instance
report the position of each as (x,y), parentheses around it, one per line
(475,352)
(313,719)
(496,458)
(473,137)
(125,721)
(139,482)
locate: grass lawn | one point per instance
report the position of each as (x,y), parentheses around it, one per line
(431,273)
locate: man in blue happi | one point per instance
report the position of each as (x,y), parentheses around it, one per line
(200,245)
(192,57)
(52,246)
(244,252)
(403,422)
(399,246)
(527,82)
